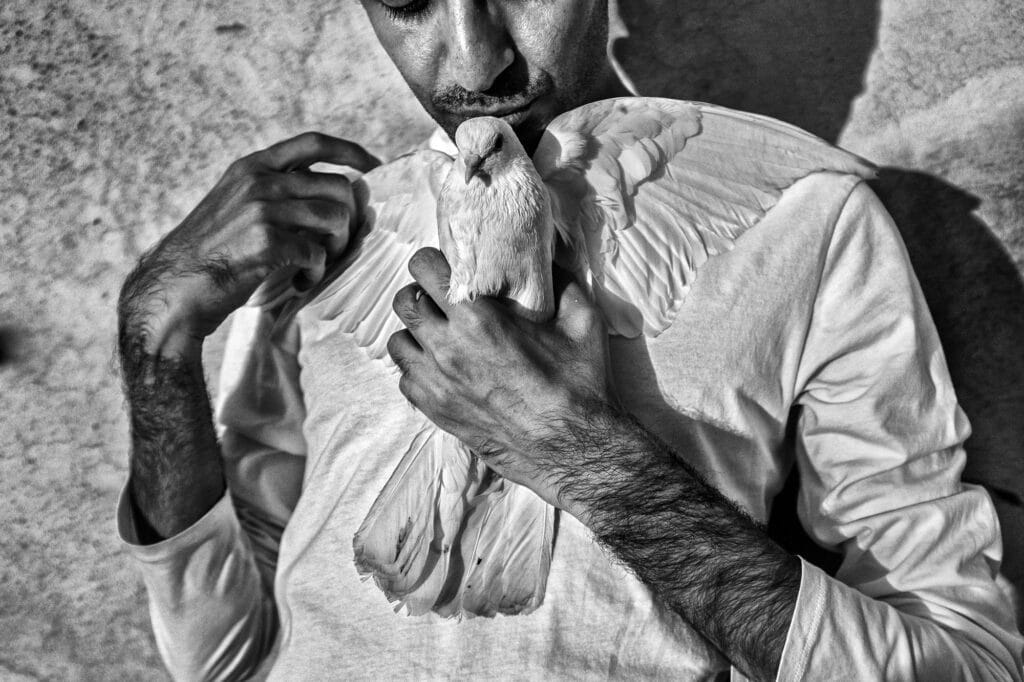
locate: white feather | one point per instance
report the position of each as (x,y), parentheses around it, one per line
(666,184)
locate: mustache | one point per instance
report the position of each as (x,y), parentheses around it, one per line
(507,89)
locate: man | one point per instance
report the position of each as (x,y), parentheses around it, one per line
(808,344)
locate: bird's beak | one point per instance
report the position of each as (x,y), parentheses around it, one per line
(473,162)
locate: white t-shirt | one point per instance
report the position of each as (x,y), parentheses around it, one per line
(809,344)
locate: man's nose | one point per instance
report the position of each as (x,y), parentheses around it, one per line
(479,47)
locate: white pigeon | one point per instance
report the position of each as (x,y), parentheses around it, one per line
(494,220)
(641,191)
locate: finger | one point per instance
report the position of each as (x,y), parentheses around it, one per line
(404,351)
(575,313)
(302,184)
(431,271)
(306,149)
(305,257)
(417,311)
(330,186)
(329,220)
(411,386)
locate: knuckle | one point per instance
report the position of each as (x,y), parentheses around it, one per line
(259,185)
(444,356)
(343,215)
(302,249)
(313,138)
(259,211)
(240,166)
(445,400)
(319,252)
(312,254)
(261,238)
(468,320)
(325,211)
(480,319)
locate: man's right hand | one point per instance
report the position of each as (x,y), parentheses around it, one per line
(267,212)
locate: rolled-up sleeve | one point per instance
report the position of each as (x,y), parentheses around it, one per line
(879,450)
(211,616)
(211,586)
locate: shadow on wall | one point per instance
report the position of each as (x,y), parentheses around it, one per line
(741,54)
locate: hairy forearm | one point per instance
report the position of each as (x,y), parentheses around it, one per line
(701,554)
(176,468)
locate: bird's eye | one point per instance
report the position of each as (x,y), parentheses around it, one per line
(405,10)
(498,142)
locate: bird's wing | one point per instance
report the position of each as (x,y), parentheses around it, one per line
(646,189)
(397,205)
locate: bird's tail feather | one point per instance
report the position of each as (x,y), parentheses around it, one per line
(506,547)
(405,541)
(448,534)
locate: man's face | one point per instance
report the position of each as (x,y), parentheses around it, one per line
(525,61)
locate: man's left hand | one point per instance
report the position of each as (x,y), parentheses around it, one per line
(505,386)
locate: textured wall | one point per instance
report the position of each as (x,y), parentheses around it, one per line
(116,116)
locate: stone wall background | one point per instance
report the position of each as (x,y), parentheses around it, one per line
(116,117)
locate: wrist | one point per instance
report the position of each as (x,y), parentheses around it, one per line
(158,338)
(592,447)
(151,318)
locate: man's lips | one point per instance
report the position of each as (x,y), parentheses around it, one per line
(513,115)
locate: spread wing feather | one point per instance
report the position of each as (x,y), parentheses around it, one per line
(398,205)
(651,187)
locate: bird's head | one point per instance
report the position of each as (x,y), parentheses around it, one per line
(486,145)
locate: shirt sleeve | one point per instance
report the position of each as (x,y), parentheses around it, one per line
(879,451)
(210,587)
